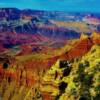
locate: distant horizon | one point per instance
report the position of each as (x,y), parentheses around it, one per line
(49,10)
(91,6)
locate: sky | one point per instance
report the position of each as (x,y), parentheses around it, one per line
(54,5)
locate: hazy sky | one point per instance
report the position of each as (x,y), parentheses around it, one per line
(58,5)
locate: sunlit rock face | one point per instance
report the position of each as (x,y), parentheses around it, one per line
(54,78)
(82,81)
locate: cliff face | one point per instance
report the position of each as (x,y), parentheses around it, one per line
(76,79)
(53,78)
(33,22)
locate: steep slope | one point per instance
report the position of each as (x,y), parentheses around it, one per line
(74,80)
(49,75)
(82,46)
